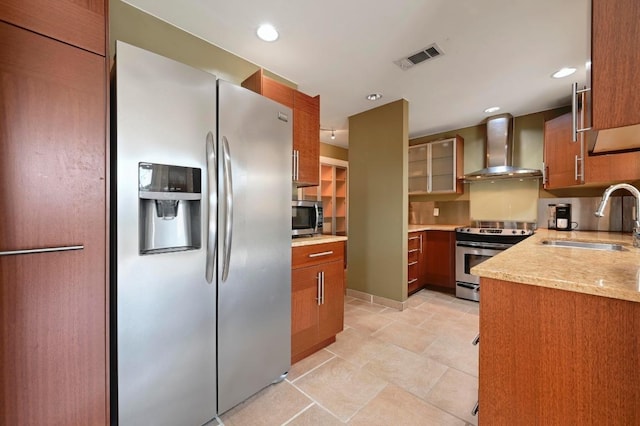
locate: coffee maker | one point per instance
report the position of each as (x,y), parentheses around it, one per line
(563,217)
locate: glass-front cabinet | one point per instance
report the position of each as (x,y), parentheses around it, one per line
(436,167)
(333,194)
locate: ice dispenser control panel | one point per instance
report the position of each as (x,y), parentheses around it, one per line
(169,213)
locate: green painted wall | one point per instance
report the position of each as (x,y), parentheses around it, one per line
(378,210)
(332,151)
(140,29)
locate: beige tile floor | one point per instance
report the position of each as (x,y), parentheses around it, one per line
(388,367)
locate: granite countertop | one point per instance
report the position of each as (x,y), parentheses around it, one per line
(433,227)
(317,239)
(614,274)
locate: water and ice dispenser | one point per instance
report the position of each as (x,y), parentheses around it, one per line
(170,198)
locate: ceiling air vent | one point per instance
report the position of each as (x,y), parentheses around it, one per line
(429,52)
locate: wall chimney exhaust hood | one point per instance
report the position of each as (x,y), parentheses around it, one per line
(499,153)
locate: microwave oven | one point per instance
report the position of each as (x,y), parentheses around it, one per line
(306,218)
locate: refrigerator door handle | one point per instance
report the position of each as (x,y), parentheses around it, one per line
(212,195)
(228,194)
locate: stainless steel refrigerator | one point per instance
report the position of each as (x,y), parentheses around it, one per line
(201,247)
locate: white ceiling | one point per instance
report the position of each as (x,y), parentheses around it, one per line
(497,52)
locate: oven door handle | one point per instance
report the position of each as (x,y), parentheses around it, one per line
(498,246)
(474,287)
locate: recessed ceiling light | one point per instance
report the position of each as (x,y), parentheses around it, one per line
(563,72)
(374,96)
(267,32)
(491,109)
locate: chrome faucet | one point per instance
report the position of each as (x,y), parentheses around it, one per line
(634,191)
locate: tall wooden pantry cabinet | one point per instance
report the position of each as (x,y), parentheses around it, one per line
(53,276)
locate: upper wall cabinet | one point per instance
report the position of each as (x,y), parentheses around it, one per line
(436,167)
(567,163)
(79,23)
(615,59)
(306,125)
(612,99)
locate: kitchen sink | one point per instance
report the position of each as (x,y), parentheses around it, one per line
(585,245)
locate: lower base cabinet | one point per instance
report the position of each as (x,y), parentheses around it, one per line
(431,260)
(415,261)
(556,357)
(317,297)
(439,260)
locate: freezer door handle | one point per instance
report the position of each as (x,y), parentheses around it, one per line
(228,196)
(212,195)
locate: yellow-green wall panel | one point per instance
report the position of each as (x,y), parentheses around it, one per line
(378,210)
(332,151)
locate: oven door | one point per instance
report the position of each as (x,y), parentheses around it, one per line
(468,255)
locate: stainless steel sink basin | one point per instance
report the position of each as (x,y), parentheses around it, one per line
(585,245)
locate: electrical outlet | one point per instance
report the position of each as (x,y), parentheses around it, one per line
(436,211)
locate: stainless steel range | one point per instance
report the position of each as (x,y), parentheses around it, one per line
(479,242)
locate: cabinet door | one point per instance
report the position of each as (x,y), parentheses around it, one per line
(52,151)
(331,313)
(80,23)
(418,167)
(439,258)
(53,355)
(53,365)
(306,137)
(305,293)
(615,37)
(560,153)
(443,172)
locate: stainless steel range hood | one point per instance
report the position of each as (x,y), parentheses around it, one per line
(499,150)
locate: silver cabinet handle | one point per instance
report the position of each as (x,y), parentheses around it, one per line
(476,340)
(318,290)
(324,253)
(413,250)
(574,111)
(421,243)
(414,238)
(296,164)
(579,175)
(413,263)
(474,411)
(322,287)
(228,194)
(412,281)
(544,174)
(40,250)
(212,195)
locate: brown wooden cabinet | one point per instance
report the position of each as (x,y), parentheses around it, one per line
(561,155)
(439,259)
(615,60)
(317,297)
(553,357)
(54,334)
(415,261)
(564,166)
(80,23)
(306,125)
(436,167)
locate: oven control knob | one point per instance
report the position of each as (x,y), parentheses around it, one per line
(522,232)
(514,232)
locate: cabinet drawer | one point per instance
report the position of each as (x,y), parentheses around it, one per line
(316,254)
(414,241)
(413,256)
